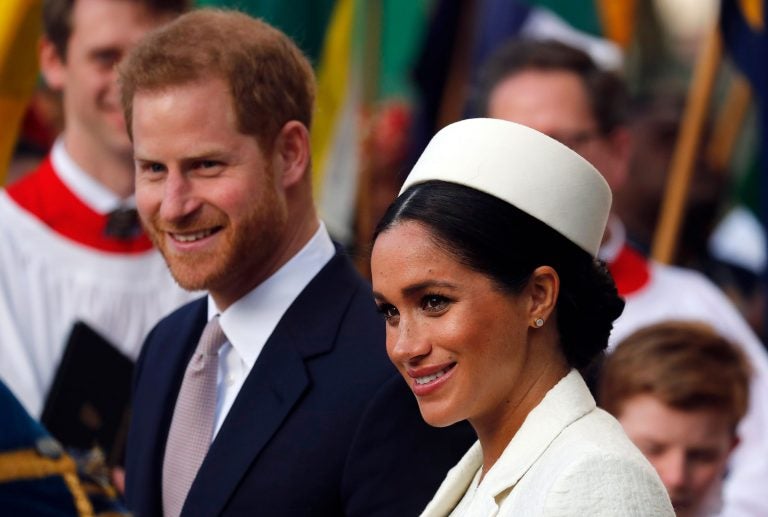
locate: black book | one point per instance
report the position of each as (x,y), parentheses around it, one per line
(88,403)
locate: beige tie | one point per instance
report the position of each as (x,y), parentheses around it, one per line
(192,426)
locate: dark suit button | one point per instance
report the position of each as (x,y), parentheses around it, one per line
(48,447)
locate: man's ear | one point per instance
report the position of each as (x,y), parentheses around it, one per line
(51,65)
(736,441)
(292,153)
(543,289)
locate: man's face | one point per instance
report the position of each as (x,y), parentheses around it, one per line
(102,33)
(688,449)
(207,194)
(556,104)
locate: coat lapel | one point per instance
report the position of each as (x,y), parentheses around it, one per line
(274,386)
(565,403)
(455,484)
(568,401)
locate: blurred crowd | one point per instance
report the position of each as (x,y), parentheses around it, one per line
(686,369)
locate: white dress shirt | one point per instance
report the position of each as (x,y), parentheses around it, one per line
(249,322)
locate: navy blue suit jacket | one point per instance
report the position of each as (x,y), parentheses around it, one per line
(323,425)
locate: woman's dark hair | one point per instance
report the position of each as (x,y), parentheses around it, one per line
(496,239)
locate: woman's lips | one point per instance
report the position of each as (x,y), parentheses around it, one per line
(427,379)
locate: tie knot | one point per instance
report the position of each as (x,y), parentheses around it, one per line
(212,339)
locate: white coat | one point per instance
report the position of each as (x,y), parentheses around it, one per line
(568,458)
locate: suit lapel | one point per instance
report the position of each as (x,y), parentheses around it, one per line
(274,385)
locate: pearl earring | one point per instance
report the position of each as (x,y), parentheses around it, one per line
(538,322)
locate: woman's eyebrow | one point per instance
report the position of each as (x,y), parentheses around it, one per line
(418,287)
(421,286)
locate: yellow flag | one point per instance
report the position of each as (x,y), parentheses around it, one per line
(20,28)
(618,20)
(753,13)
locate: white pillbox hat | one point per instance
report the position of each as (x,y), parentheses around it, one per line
(525,168)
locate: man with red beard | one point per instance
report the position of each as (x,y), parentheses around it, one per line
(273,395)
(71,251)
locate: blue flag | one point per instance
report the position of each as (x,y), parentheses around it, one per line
(742,24)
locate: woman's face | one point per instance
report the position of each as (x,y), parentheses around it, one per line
(459,341)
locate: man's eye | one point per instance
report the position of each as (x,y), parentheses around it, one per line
(652,450)
(207,165)
(107,58)
(703,456)
(150,167)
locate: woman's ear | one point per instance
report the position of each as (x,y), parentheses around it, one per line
(542,289)
(292,153)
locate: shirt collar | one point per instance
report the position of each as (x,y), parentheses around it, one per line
(98,197)
(249,322)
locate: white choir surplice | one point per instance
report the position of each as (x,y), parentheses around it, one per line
(48,280)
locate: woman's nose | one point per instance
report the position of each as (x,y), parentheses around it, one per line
(408,342)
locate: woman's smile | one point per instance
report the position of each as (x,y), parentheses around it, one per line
(425,382)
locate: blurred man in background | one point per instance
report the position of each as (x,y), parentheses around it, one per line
(73,251)
(680,390)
